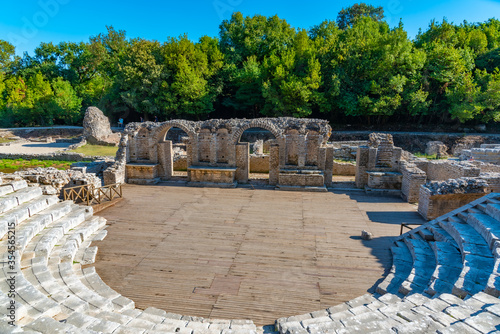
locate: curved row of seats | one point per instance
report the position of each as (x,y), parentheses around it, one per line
(53,293)
(445,278)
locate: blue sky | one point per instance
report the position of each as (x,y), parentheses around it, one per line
(25,24)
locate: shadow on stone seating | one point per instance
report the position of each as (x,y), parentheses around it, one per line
(380,247)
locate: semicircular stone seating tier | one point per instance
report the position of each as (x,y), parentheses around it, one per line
(445,278)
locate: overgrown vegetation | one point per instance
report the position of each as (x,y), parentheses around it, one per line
(10,165)
(356,70)
(428,156)
(100,150)
(5,140)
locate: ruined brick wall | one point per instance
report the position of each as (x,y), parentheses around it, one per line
(259,163)
(413,178)
(437,198)
(344,168)
(444,170)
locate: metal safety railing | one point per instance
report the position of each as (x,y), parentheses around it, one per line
(90,195)
(407,225)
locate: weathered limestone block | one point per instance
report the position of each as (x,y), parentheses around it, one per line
(436,148)
(96,128)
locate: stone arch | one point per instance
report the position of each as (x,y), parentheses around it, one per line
(256,124)
(163,129)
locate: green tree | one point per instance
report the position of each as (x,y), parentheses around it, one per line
(65,104)
(348,16)
(7,51)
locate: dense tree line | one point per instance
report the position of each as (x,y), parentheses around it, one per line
(355,69)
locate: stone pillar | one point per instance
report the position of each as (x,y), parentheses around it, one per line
(153,150)
(328,173)
(242,162)
(213,149)
(362,156)
(282,152)
(165,153)
(321,158)
(372,158)
(274,164)
(302,150)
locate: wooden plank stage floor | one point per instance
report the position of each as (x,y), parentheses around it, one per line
(243,253)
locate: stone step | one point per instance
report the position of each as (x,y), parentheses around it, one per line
(96,302)
(486,226)
(493,209)
(38,304)
(8,188)
(448,268)
(402,262)
(79,235)
(93,281)
(57,230)
(36,223)
(440,234)
(16,216)
(424,265)
(426,234)
(19,197)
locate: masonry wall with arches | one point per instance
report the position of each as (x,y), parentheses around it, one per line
(216,156)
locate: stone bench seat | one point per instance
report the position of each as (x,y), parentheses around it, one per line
(67,276)
(78,236)
(448,268)
(9,188)
(401,267)
(37,303)
(477,257)
(24,211)
(49,325)
(387,313)
(487,226)
(424,264)
(60,293)
(19,197)
(93,281)
(58,229)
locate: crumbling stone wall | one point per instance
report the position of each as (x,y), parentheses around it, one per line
(440,197)
(54,180)
(379,156)
(437,170)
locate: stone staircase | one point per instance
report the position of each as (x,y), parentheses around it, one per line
(445,278)
(43,245)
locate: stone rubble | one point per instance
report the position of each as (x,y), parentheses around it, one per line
(463,185)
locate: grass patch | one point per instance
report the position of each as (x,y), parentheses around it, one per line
(345,160)
(5,140)
(10,165)
(88,149)
(429,157)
